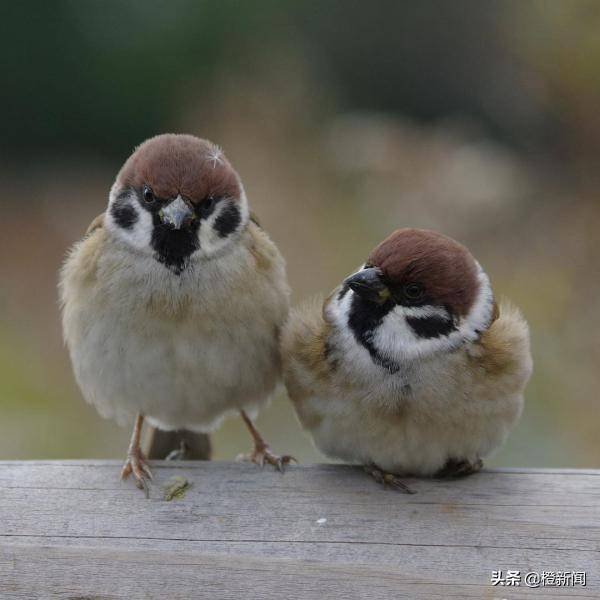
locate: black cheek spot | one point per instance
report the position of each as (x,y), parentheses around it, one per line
(431,327)
(228,221)
(206,208)
(124,215)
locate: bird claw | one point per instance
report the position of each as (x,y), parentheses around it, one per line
(262,455)
(459,468)
(136,464)
(388,479)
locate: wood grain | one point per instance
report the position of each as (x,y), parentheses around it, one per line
(73,530)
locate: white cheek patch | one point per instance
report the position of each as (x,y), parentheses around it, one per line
(139,233)
(397,340)
(423,312)
(480,315)
(212,241)
(338,308)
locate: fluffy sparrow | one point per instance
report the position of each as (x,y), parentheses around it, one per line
(173,302)
(409,367)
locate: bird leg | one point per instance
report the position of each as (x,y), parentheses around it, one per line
(262,453)
(459,468)
(180,453)
(135,462)
(387,479)
(180,444)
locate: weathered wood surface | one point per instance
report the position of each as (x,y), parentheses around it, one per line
(73,530)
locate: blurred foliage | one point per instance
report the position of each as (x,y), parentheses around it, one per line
(100,75)
(560,43)
(345,120)
(97,75)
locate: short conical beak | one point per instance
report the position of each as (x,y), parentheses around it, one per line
(368,284)
(177,214)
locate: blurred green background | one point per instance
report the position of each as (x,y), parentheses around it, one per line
(345,119)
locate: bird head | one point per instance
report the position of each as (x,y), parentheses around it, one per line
(178,198)
(419,293)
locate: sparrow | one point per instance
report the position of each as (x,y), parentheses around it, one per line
(409,367)
(173,302)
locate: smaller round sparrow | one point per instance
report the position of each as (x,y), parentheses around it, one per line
(409,367)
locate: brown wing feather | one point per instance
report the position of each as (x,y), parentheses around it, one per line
(503,349)
(97,223)
(495,313)
(254,218)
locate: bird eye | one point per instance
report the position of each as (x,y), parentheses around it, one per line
(207,205)
(148,194)
(413,291)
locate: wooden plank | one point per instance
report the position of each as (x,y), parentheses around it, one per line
(73,530)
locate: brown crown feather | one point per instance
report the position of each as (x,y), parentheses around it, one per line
(173,164)
(445,268)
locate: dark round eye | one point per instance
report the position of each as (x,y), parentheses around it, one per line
(413,291)
(207,205)
(148,194)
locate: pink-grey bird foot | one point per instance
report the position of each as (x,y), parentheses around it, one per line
(459,468)
(388,479)
(262,454)
(135,464)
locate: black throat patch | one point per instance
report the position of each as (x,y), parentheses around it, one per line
(363,320)
(174,247)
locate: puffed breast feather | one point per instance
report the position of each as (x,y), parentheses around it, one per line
(461,404)
(182,350)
